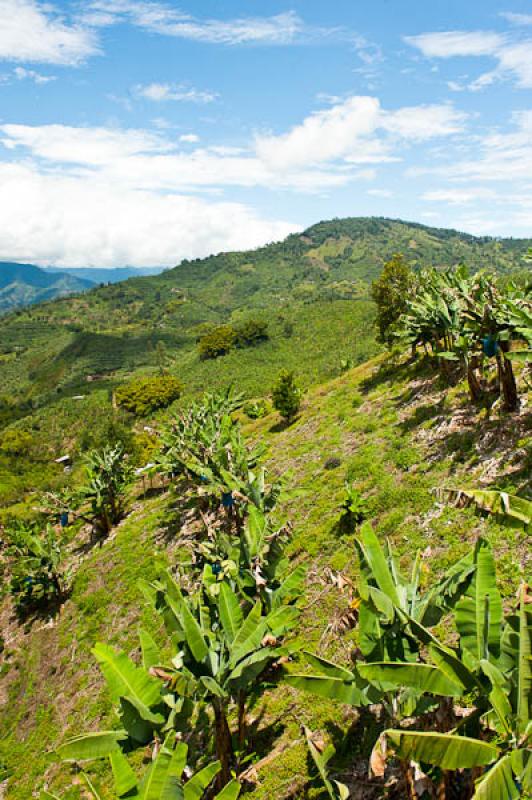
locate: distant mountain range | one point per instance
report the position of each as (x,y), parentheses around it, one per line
(107,275)
(26,284)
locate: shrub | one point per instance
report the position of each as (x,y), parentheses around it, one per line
(255,409)
(144,395)
(217,342)
(286,395)
(354,506)
(16,443)
(250,332)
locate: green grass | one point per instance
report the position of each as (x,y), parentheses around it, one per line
(386,442)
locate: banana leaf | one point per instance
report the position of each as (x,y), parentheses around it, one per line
(338,791)
(498,782)
(92,745)
(124,678)
(421,677)
(443,750)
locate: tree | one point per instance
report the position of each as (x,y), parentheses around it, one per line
(144,395)
(390,292)
(250,332)
(286,395)
(217,342)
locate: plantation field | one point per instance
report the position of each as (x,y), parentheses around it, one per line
(116,465)
(392,429)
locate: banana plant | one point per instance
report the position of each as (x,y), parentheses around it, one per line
(466,320)
(253,561)
(321,757)
(387,601)
(502,748)
(163,779)
(36,565)
(513,510)
(354,506)
(108,477)
(383,590)
(227,649)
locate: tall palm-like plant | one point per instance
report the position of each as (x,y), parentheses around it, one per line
(493,667)
(35,562)
(108,477)
(226,649)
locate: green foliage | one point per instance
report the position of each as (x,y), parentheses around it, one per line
(493,666)
(489,669)
(466,321)
(390,292)
(145,395)
(35,566)
(354,505)
(250,332)
(16,442)
(217,342)
(163,779)
(255,409)
(321,758)
(226,646)
(107,479)
(286,395)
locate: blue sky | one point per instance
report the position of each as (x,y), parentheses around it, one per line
(135,132)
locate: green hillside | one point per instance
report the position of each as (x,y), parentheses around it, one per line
(377,440)
(394,431)
(308,282)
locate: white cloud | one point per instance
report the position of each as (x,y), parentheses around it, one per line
(323,152)
(424,122)
(349,129)
(85,195)
(30,31)
(166,20)
(448,44)
(163,92)
(514,58)
(21,74)
(89,146)
(74,221)
(143,160)
(517,19)
(322,136)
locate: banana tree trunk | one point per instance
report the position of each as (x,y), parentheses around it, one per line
(473,381)
(224,745)
(507,380)
(242,732)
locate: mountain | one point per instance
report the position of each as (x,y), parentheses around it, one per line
(312,289)
(26,284)
(107,275)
